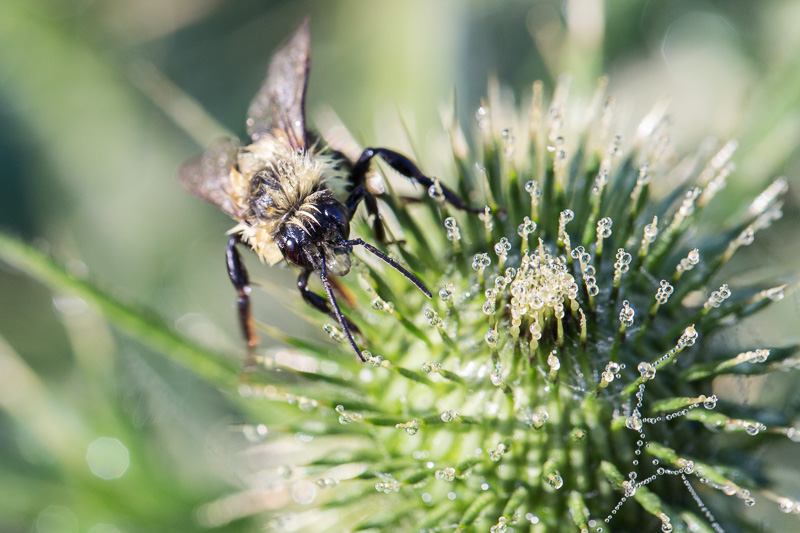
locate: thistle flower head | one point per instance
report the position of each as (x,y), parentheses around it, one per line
(562,380)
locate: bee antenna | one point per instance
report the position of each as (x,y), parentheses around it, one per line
(323,274)
(394,264)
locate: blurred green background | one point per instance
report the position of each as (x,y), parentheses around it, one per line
(100,102)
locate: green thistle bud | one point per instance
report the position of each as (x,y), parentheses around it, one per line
(560,381)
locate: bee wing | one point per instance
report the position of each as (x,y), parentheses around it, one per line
(208,175)
(340,139)
(279,107)
(336,134)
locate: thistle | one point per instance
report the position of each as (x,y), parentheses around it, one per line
(562,380)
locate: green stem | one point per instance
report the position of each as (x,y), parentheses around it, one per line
(139,324)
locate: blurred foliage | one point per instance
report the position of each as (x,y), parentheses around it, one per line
(90,140)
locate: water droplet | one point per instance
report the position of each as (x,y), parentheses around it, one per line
(500,526)
(435,191)
(761,356)
(710,402)
(555,480)
(526,228)
(449,416)
(306,404)
(480,262)
(604,228)
(664,292)
(629,488)
(446,293)
(539,418)
(482,118)
(753,428)
(646,370)
(688,338)
(448,474)
(634,422)
(334,332)
(386,488)
(453,232)
(346,418)
(372,360)
(304,492)
(497,453)
(626,314)
(411,428)
(255,433)
(785,505)
(651,230)
(502,247)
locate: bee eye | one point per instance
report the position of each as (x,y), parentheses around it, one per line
(291,250)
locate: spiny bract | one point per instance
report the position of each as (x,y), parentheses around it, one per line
(561,381)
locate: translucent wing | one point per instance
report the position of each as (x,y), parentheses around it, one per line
(339,138)
(208,175)
(279,107)
(336,133)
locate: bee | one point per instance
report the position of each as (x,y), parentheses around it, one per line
(292,195)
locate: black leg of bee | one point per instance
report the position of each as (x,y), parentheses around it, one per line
(323,274)
(318,302)
(407,168)
(358,192)
(394,264)
(241,282)
(372,208)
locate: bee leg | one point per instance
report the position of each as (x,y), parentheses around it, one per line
(318,302)
(378,230)
(391,262)
(407,168)
(323,274)
(358,191)
(241,282)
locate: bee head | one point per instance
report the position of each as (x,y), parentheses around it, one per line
(309,239)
